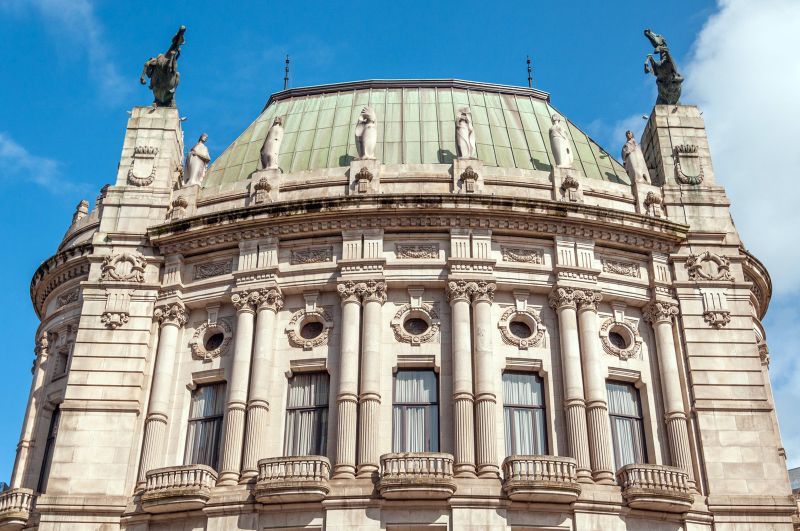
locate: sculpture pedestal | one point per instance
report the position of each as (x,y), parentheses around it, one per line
(467,176)
(364,177)
(567,185)
(649,199)
(265,186)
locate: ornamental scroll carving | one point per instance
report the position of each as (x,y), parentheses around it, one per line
(405,251)
(200,339)
(523,255)
(123,267)
(528,316)
(143,167)
(709,266)
(626,269)
(302,317)
(627,329)
(426,312)
(312,255)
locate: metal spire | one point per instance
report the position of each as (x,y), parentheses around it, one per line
(286,75)
(530,79)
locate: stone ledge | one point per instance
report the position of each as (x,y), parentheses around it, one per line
(541,478)
(293,479)
(416,475)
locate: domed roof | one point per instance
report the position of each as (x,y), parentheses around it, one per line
(416,125)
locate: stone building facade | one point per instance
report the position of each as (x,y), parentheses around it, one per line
(414,341)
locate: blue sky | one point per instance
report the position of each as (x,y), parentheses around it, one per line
(72,69)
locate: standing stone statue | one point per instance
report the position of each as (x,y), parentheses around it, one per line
(196,163)
(163,72)
(559,142)
(668,78)
(465,134)
(272,145)
(633,160)
(366,134)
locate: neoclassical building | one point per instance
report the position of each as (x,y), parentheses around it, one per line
(403,305)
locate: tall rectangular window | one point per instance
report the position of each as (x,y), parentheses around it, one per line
(415,416)
(49,446)
(205,425)
(307,414)
(524,414)
(627,425)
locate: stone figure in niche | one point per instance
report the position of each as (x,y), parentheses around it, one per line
(272,145)
(366,134)
(559,142)
(465,134)
(163,72)
(668,78)
(633,159)
(197,162)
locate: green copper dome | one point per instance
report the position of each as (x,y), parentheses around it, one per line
(416,125)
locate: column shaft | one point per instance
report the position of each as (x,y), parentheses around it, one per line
(485,397)
(348,385)
(370,398)
(463,399)
(23,448)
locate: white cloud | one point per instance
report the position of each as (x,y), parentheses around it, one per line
(18,163)
(76,22)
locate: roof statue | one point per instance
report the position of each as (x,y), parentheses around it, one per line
(633,159)
(272,145)
(559,142)
(465,134)
(197,162)
(668,78)
(366,134)
(163,72)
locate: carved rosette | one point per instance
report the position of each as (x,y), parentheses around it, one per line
(271,298)
(628,330)
(143,167)
(658,311)
(174,314)
(717,318)
(427,313)
(709,266)
(528,316)
(123,267)
(246,301)
(302,317)
(205,331)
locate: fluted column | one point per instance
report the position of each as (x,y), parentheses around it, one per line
(347,397)
(245,303)
(595,385)
(659,314)
(482,294)
(369,400)
(463,399)
(255,440)
(23,448)
(562,300)
(172,318)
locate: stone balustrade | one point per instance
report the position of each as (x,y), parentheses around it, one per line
(655,487)
(422,475)
(178,488)
(15,507)
(541,478)
(293,479)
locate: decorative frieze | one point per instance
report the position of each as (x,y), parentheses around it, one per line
(523,255)
(709,266)
(312,255)
(405,251)
(625,269)
(212,269)
(67,298)
(123,267)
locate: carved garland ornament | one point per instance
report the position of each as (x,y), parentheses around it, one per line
(114,267)
(528,316)
(709,266)
(626,269)
(626,329)
(523,255)
(143,168)
(207,330)
(302,317)
(405,251)
(426,312)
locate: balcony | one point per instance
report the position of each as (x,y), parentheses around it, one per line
(178,488)
(293,479)
(655,487)
(416,476)
(15,507)
(541,478)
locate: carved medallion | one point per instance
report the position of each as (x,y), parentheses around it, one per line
(709,266)
(688,168)
(143,168)
(521,328)
(621,338)
(211,340)
(124,267)
(309,328)
(416,325)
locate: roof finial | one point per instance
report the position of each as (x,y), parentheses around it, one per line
(530,78)
(286,75)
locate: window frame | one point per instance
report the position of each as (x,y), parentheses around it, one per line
(506,405)
(218,420)
(638,421)
(428,407)
(49,447)
(322,443)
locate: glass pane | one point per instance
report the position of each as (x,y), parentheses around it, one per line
(415,387)
(522,389)
(623,399)
(308,390)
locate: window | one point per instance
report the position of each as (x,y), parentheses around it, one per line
(49,446)
(205,425)
(415,416)
(627,427)
(524,414)
(307,414)
(60,363)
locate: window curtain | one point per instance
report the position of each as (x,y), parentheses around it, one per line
(307,415)
(627,429)
(524,414)
(415,416)
(205,425)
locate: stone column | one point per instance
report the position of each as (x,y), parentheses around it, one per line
(595,385)
(485,375)
(369,400)
(255,440)
(172,318)
(245,303)
(562,300)
(347,397)
(463,399)
(659,314)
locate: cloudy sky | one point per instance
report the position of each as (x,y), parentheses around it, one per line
(72,70)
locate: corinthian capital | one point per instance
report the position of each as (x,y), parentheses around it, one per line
(270,298)
(482,290)
(458,290)
(562,298)
(658,311)
(349,291)
(374,291)
(587,299)
(174,314)
(246,301)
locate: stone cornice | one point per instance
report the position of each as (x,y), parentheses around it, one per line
(65,265)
